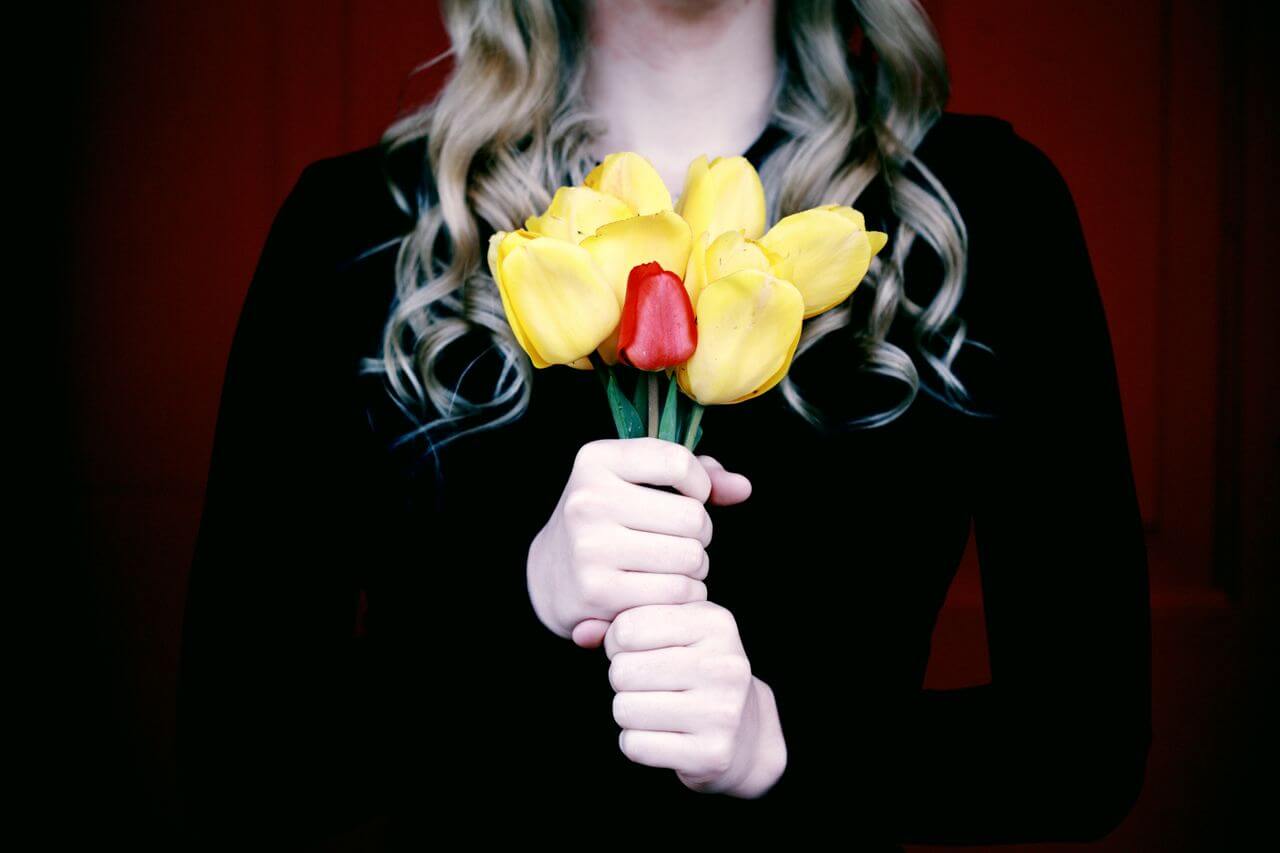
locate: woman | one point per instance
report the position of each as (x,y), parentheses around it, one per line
(404,446)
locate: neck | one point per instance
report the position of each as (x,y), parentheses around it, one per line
(678,78)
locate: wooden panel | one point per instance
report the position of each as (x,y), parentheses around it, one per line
(1195,232)
(169,222)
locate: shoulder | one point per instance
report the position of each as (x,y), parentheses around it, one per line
(986,165)
(350,203)
(1022,228)
(329,260)
(333,239)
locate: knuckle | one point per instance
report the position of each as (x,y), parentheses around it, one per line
(626,743)
(704,566)
(692,590)
(588,455)
(623,629)
(695,518)
(727,714)
(728,623)
(579,505)
(680,463)
(616,675)
(592,454)
(719,754)
(691,556)
(619,709)
(700,591)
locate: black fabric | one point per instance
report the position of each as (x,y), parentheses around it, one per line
(458,710)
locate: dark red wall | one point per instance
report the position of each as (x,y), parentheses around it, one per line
(198,117)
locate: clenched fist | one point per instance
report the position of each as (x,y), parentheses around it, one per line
(686,699)
(613,541)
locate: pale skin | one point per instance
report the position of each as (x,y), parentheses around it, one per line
(624,564)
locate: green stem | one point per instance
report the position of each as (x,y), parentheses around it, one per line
(602,370)
(605,373)
(695,417)
(653,404)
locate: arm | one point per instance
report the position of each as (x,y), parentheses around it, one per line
(276,694)
(1054,748)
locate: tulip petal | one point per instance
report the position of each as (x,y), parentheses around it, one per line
(877,239)
(731,252)
(854,216)
(620,246)
(723,195)
(630,177)
(748,328)
(576,212)
(823,251)
(563,303)
(510,239)
(695,272)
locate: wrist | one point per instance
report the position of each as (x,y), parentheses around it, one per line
(769,758)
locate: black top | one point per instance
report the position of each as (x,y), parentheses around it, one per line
(835,568)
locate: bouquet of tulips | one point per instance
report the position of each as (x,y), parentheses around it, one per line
(612,276)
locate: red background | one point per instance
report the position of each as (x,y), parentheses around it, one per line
(192,121)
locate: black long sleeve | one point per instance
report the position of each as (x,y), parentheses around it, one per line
(1054,747)
(278,698)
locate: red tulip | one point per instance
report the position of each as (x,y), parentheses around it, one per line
(658,329)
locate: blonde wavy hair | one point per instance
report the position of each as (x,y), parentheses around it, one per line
(511,125)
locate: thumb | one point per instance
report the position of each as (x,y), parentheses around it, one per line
(726,486)
(589,633)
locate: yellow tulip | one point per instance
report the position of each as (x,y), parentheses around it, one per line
(628,176)
(558,303)
(723,195)
(749,325)
(824,251)
(576,212)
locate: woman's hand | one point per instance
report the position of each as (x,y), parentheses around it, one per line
(687,699)
(613,542)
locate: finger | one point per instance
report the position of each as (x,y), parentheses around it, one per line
(655,626)
(656,462)
(628,590)
(643,508)
(662,711)
(589,633)
(673,668)
(658,749)
(645,551)
(727,487)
